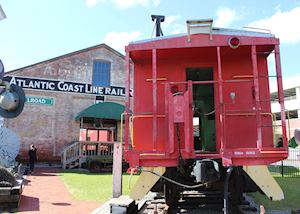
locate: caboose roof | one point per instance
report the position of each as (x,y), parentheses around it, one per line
(215,31)
(219,37)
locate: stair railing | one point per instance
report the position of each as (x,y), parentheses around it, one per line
(70,154)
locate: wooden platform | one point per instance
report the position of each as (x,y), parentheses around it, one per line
(122,204)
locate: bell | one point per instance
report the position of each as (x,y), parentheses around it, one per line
(12,101)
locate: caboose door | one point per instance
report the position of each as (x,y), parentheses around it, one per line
(204,128)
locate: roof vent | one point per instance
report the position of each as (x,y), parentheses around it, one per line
(199,26)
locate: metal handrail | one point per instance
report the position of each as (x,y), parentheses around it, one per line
(70,153)
(121,129)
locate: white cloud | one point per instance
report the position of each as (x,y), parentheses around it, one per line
(132,3)
(169,20)
(118,40)
(225,16)
(277,8)
(179,28)
(124,3)
(93,3)
(156,2)
(282,24)
(170,25)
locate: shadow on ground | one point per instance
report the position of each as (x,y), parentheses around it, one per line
(28,203)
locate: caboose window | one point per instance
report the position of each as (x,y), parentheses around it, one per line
(101,73)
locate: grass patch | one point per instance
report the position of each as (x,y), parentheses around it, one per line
(87,186)
(290,187)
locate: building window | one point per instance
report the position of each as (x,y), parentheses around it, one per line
(101,73)
(292,115)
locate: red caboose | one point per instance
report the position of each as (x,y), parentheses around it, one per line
(202,96)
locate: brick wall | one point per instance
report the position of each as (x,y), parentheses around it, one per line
(52,127)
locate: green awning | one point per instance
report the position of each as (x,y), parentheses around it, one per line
(106,110)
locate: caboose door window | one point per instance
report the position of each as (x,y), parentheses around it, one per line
(203,109)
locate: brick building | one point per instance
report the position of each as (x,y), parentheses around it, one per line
(57,90)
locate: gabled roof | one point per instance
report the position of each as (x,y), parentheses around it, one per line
(103,45)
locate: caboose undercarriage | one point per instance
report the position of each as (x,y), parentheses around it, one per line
(208,178)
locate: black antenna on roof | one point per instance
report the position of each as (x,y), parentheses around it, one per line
(158,19)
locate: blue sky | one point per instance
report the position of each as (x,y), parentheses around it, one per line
(37,30)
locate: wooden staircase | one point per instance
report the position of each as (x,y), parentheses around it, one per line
(75,154)
(70,156)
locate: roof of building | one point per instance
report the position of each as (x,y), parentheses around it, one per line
(103,45)
(106,110)
(288,83)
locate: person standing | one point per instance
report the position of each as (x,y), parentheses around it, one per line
(32,157)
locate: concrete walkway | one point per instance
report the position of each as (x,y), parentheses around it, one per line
(44,192)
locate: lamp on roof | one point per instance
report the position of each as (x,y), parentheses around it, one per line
(234,42)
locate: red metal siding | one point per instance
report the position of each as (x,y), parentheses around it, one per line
(243,124)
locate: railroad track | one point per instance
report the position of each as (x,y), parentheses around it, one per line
(193,202)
